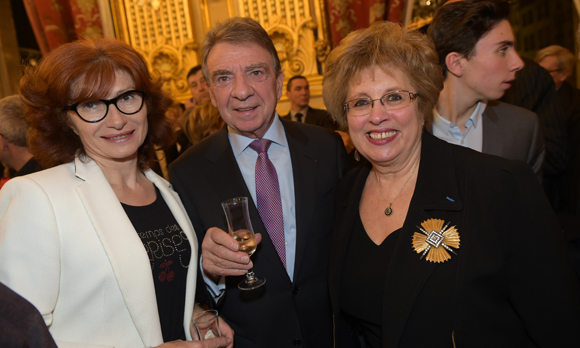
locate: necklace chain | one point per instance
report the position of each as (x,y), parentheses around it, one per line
(389,209)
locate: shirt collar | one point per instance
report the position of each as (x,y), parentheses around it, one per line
(474,120)
(275,133)
(303,112)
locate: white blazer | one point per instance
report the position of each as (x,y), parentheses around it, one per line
(67,246)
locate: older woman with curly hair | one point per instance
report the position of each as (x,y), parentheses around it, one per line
(99,243)
(435,245)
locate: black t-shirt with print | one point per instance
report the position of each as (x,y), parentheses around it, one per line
(169,253)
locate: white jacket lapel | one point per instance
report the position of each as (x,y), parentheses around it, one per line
(123,247)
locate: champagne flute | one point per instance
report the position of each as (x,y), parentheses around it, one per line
(240,227)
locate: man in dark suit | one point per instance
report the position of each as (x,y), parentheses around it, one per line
(292,309)
(298,93)
(475,45)
(21,325)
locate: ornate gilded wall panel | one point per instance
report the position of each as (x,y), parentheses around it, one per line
(298,32)
(161,30)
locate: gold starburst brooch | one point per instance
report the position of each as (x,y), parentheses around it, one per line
(436,240)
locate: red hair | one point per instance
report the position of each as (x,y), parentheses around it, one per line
(89,66)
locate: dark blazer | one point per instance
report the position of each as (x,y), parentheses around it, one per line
(317,117)
(563,190)
(510,284)
(534,90)
(281,313)
(21,325)
(30,167)
(514,133)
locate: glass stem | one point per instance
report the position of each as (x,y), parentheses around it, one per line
(250,277)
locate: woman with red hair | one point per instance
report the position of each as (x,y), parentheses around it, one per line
(99,243)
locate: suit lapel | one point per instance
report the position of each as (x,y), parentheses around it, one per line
(130,264)
(304,173)
(222,163)
(491,130)
(436,190)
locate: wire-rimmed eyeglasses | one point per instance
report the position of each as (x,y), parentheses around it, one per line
(390,101)
(128,103)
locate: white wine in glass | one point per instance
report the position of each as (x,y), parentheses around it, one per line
(240,228)
(247,241)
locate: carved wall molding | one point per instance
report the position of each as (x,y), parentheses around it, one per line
(301,42)
(161,31)
(167,35)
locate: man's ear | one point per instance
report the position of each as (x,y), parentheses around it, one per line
(279,84)
(454,62)
(565,74)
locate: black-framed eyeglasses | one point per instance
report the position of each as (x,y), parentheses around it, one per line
(128,103)
(390,101)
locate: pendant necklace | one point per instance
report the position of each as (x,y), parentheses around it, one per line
(389,209)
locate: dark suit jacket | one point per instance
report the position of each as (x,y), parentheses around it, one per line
(510,284)
(534,90)
(317,117)
(21,325)
(564,189)
(513,133)
(281,313)
(30,167)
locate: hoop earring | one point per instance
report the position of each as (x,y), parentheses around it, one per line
(356,155)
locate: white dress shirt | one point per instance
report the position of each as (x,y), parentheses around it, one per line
(451,133)
(279,154)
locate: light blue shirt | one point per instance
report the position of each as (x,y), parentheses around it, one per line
(279,154)
(451,133)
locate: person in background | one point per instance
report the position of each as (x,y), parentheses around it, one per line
(291,202)
(98,242)
(14,151)
(446,246)
(475,46)
(298,93)
(560,62)
(201,122)
(197,86)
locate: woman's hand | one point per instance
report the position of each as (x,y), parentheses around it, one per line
(225,329)
(211,343)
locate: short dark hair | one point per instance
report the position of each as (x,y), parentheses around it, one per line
(289,84)
(91,65)
(194,70)
(238,30)
(458,27)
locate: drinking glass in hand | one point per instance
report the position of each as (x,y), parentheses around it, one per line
(207,325)
(240,227)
